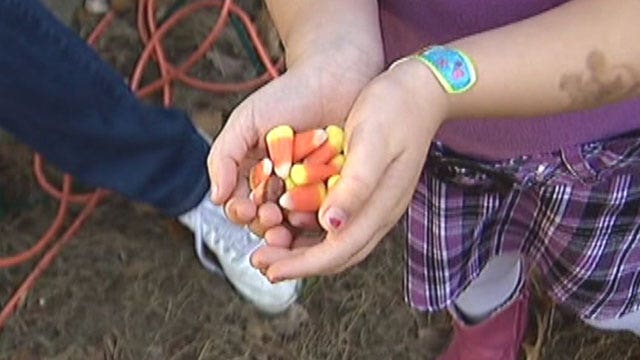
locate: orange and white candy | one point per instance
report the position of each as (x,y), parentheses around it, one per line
(306,142)
(302,174)
(257,194)
(331,182)
(306,198)
(280,147)
(330,148)
(299,170)
(260,172)
(289,184)
(338,162)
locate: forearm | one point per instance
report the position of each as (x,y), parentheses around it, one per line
(334,28)
(581,55)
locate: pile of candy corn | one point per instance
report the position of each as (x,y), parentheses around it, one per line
(299,169)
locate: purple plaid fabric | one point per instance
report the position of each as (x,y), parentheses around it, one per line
(572,214)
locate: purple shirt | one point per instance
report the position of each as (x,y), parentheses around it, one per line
(408,25)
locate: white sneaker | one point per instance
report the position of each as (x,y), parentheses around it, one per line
(233,245)
(97,7)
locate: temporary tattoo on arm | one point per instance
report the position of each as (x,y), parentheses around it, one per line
(603,84)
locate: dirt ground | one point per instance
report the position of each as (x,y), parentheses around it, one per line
(129,286)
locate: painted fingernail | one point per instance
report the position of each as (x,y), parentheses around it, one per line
(336,218)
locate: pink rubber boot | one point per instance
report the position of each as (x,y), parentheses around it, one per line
(497,338)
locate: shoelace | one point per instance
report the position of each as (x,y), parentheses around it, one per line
(226,239)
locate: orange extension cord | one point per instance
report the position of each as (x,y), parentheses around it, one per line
(151,34)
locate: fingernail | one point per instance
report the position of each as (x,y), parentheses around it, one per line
(253,264)
(336,218)
(214,191)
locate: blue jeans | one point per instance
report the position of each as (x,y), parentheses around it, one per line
(61,99)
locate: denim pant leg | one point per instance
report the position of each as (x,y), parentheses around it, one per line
(60,98)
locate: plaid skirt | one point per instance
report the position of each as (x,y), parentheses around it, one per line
(573,214)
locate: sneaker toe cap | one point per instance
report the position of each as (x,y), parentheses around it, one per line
(267,297)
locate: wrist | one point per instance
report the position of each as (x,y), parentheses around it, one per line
(336,75)
(419,81)
(364,59)
(450,68)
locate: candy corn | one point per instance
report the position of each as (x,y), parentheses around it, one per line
(289,184)
(303,174)
(337,162)
(305,143)
(331,182)
(280,147)
(260,172)
(304,198)
(257,195)
(329,149)
(299,170)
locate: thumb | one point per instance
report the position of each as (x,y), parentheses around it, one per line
(229,150)
(365,165)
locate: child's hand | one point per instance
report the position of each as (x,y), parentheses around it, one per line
(388,131)
(313,93)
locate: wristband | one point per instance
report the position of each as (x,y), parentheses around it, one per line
(453,69)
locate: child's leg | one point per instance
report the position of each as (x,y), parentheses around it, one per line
(454,228)
(499,282)
(576,221)
(60,98)
(629,322)
(491,315)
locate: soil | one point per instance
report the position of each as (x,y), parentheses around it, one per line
(129,286)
